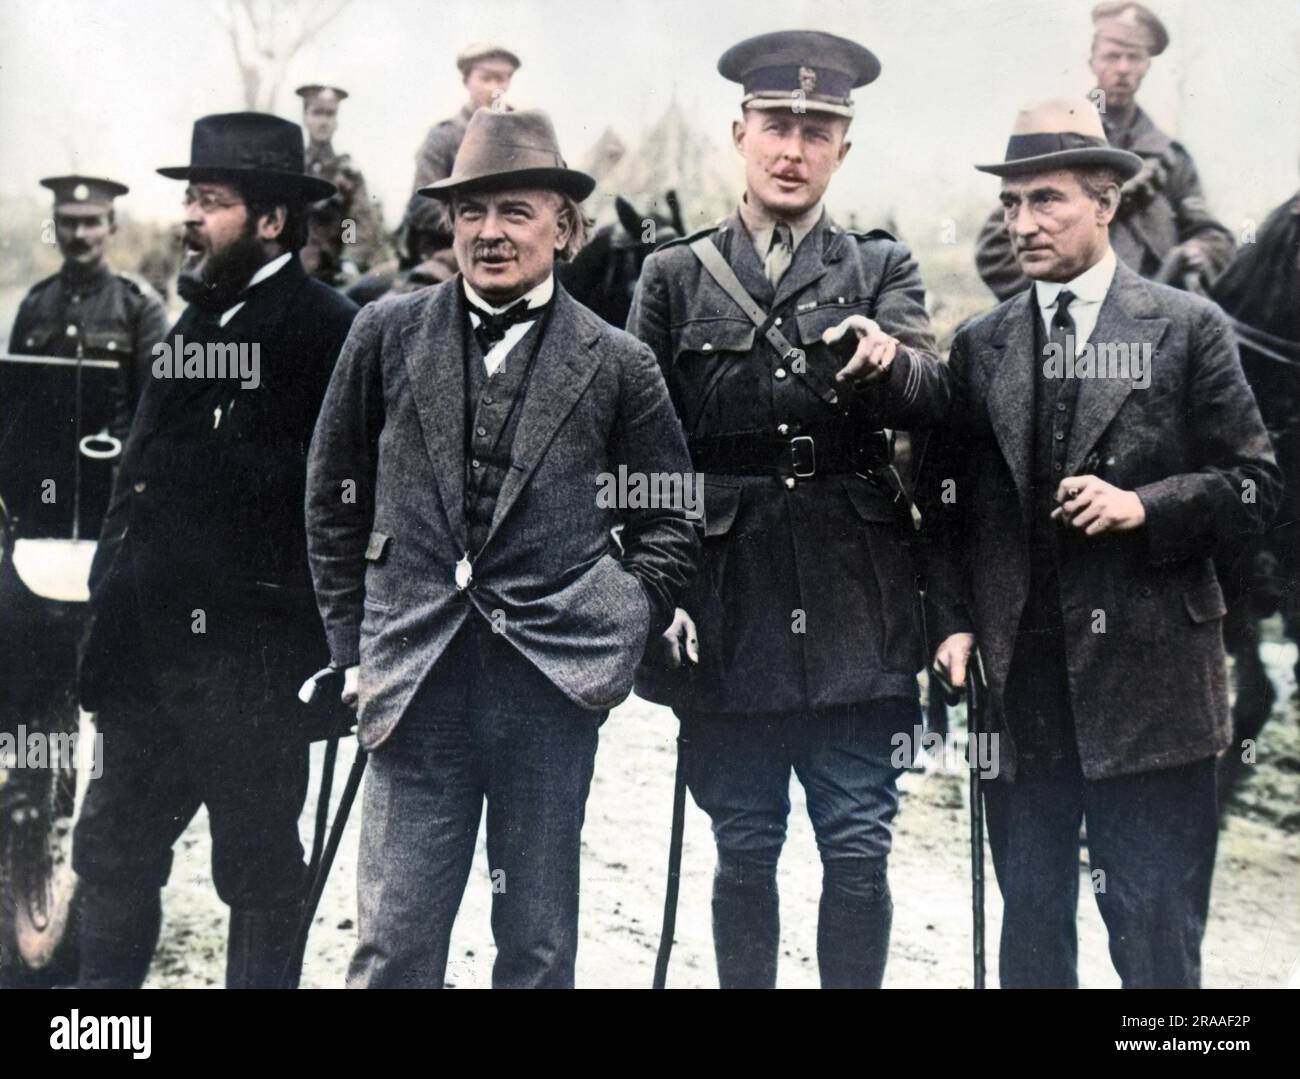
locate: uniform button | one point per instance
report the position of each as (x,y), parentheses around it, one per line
(31,341)
(138,488)
(778,322)
(779,372)
(707,346)
(1056,468)
(789,482)
(71,331)
(783,429)
(1060,436)
(481,431)
(112,346)
(1060,407)
(487,400)
(474,463)
(76,299)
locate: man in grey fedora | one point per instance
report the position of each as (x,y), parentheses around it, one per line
(466,571)
(202,624)
(1103,443)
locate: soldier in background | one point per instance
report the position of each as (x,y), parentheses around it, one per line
(345,231)
(1163,229)
(486,70)
(88,310)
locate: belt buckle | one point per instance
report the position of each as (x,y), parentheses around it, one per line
(802,470)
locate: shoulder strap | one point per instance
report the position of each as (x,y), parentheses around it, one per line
(711,259)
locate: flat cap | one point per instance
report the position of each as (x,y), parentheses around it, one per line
(85,196)
(801,70)
(484,50)
(1128,23)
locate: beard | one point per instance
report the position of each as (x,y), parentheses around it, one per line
(212,280)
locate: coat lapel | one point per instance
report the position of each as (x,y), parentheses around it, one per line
(744,261)
(564,366)
(433,350)
(1011,391)
(1129,317)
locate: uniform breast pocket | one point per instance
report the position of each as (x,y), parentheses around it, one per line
(703,352)
(108,344)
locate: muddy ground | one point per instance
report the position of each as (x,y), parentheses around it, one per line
(1253,938)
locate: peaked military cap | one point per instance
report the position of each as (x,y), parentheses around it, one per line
(313,91)
(83,196)
(1128,23)
(801,70)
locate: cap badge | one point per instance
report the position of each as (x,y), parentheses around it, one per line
(81,192)
(807,79)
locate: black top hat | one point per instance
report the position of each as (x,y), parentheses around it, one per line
(251,146)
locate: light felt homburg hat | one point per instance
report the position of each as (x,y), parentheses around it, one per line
(251,146)
(799,70)
(510,150)
(1063,133)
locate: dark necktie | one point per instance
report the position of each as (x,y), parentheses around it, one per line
(1063,329)
(493,325)
(780,254)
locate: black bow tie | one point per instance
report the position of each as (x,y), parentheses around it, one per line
(493,325)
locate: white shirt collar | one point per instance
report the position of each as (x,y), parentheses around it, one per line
(1089,287)
(537,296)
(760,224)
(263,272)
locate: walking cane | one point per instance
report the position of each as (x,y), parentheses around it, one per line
(674,862)
(975,703)
(321,692)
(976,692)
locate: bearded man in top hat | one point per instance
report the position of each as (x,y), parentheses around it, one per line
(1163,228)
(486,617)
(1103,443)
(798,644)
(344,231)
(202,623)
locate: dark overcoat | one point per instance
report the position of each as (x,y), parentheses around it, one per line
(207,511)
(807,594)
(1142,609)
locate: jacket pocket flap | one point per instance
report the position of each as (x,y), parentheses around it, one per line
(812,324)
(38,339)
(1205,601)
(714,335)
(871,503)
(721,501)
(375,548)
(114,341)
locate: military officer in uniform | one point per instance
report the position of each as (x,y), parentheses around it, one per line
(799,642)
(1163,228)
(88,309)
(344,231)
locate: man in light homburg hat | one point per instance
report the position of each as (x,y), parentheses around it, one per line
(344,231)
(1103,444)
(798,644)
(1163,228)
(202,624)
(485,615)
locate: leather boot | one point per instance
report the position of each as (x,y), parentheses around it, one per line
(746,925)
(259,946)
(119,933)
(853,928)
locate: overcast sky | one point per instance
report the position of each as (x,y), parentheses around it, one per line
(112,87)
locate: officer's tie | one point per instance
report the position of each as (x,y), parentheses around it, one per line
(779,254)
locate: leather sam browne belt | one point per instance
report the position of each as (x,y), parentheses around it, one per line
(815,451)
